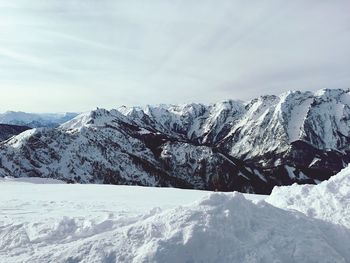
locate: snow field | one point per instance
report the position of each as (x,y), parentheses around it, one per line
(45,221)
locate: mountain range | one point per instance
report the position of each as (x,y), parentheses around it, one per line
(296,137)
(35,120)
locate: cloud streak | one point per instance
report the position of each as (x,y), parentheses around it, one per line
(125,52)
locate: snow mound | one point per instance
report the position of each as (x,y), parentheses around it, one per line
(329,200)
(218,228)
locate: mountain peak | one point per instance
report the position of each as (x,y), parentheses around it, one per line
(228,145)
(98,117)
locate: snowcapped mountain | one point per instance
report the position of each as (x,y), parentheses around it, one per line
(272,140)
(107,147)
(272,124)
(196,122)
(265,124)
(35,120)
(296,136)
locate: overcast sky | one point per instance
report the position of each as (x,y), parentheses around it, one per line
(75,55)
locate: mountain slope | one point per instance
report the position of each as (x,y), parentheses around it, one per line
(266,124)
(272,140)
(7,131)
(196,122)
(106,147)
(294,137)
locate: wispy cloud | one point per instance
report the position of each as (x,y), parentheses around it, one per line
(10,54)
(127,52)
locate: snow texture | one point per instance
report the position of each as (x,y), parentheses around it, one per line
(329,200)
(99,223)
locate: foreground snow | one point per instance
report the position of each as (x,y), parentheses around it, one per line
(45,221)
(329,200)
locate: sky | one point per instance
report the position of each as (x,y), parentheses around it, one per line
(77,55)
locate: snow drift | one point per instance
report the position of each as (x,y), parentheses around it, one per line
(329,200)
(218,228)
(96,223)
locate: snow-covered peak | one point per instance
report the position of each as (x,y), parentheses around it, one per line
(189,121)
(131,111)
(266,124)
(95,118)
(229,104)
(329,93)
(297,130)
(272,123)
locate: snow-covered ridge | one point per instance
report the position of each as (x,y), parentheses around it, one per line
(272,140)
(316,118)
(265,125)
(190,121)
(321,119)
(22,138)
(96,118)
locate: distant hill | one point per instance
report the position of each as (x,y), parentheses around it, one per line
(36,120)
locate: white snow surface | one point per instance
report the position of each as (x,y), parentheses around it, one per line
(30,180)
(104,223)
(329,200)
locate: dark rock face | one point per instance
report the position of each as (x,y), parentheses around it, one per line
(7,131)
(273,140)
